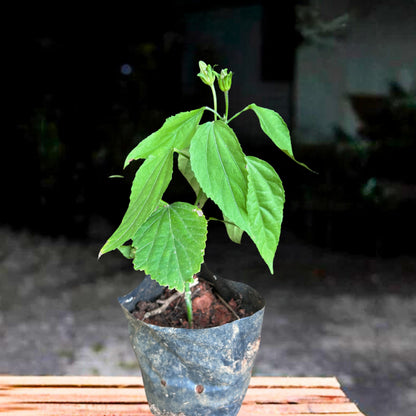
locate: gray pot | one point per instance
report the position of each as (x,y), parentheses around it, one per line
(196,372)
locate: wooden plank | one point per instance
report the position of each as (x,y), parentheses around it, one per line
(73,409)
(97,381)
(120,396)
(54,409)
(137,395)
(74,395)
(293,395)
(269,382)
(76,381)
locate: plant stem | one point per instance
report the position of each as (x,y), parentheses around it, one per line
(226,106)
(188,303)
(214,97)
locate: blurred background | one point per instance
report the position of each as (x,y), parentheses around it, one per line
(87,86)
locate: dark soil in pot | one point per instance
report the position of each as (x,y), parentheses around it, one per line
(209,308)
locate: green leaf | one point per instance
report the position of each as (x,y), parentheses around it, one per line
(170,245)
(234,233)
(275,127)
(149,184)
(219,166)
(127,251)
(265,202)
(176,133)
(184,165)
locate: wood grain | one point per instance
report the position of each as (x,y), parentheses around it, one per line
(118,396)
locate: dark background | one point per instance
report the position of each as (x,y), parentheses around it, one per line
(86,86)
(77,113)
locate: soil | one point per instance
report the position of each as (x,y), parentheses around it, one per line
(209,309)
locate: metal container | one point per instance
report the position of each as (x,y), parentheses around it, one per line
(196,372)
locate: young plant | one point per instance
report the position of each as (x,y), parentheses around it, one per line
(167,240)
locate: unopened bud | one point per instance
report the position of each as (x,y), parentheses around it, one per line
(207,74)
(224,80)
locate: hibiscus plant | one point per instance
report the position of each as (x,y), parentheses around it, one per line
(167,240)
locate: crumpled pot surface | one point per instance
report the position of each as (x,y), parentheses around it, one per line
(196,372)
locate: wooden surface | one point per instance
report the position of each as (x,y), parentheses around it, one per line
(116,396)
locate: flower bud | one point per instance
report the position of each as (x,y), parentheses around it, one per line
(207,74)
(224,80)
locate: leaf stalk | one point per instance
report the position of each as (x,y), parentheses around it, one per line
(236,115)
(213,111)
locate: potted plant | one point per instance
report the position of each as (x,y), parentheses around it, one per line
(197,370)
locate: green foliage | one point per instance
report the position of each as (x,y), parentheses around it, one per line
(149,185)
(274,126)
(184,166)
(176,133)
(265,200)
(234,233)
(167,241)
(219,166)
(171,244)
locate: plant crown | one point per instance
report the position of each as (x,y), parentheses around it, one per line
(167,240)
